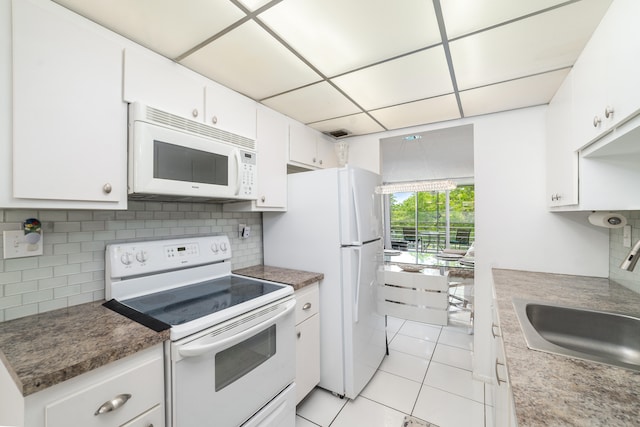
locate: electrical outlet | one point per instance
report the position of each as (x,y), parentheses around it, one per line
(16,246)
(626,236)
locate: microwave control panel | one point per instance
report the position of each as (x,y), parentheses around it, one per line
(248,174)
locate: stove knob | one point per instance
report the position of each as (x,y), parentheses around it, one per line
(142,256)
(214,248)
(223,247)
(126,258)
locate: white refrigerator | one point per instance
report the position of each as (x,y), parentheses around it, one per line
(333,226)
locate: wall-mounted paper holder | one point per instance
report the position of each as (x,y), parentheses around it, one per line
(23,243)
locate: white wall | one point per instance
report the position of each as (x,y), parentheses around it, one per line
(514,229)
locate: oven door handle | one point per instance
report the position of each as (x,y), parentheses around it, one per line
(198,350)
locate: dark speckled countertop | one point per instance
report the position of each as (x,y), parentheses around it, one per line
(296,278)
(556,390)
(45,349)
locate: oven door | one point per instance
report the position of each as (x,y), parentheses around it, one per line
(226,374)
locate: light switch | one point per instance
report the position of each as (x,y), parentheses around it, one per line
(16,246)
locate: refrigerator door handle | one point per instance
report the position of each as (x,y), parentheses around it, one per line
(356,209)
(356,301)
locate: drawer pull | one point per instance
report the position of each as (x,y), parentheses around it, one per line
(306,306)
(498,379)
(494,327)
(113,404)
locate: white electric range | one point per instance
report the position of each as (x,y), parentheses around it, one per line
(231,355)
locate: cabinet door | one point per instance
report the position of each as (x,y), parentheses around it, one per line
(230,111)
(590,94)
(307,356)
(272,132)
(69,122)
(561,157)
(327,157)
(161,83)
(623,61)
(302,145)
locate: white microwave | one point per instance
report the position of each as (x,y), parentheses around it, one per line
(176,159)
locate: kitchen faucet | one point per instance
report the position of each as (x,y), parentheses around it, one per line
(629,262)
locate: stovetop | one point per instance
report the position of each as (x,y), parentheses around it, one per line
(180,305)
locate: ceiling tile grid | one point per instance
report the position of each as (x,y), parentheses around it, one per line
(366,65)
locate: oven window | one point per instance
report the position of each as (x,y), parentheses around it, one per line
(234,362)
(179,163)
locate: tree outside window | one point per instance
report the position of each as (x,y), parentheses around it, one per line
(418,221)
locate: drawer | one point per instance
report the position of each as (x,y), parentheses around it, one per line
(307,302)
(154,417)
(144,383)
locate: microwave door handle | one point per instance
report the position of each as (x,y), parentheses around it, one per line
(236,154)
(198,350)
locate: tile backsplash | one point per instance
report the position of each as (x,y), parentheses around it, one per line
(617,252)
(71,269)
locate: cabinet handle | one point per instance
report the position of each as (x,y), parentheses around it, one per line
(113,404)
(320,161)
(107,188)
(194,113)
(596,121)
(262,199)
(498,376)
(306,306)
(299,334)
(493,328)
(608,112)
(314,160)
(214,120)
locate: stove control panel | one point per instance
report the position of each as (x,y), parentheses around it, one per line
(154,256)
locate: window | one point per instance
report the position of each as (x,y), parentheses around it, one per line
(425,223)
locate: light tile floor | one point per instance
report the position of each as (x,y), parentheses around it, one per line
(427,374)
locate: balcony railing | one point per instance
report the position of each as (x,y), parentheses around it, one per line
(431,239)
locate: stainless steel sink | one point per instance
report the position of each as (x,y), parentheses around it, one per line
(598,336)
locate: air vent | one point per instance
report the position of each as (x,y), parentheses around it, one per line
(340,133)
(201,129)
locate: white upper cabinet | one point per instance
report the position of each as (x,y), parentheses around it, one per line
(309,147)
(230,111)
(607,89)
(561,155)
(593,159)
(69,122)
(272,137)
(168,86)
(163,84)
(326,151)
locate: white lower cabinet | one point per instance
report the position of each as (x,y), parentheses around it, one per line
(308,340)
(128,392)
(504,411)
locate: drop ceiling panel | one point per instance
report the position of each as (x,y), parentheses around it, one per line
(541,43)
(536,90)
(356,124)
(253,5)
(313,103)
(421,75)
(250,61)
(164,26)
(466,16)
(415,113)
(338,36)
